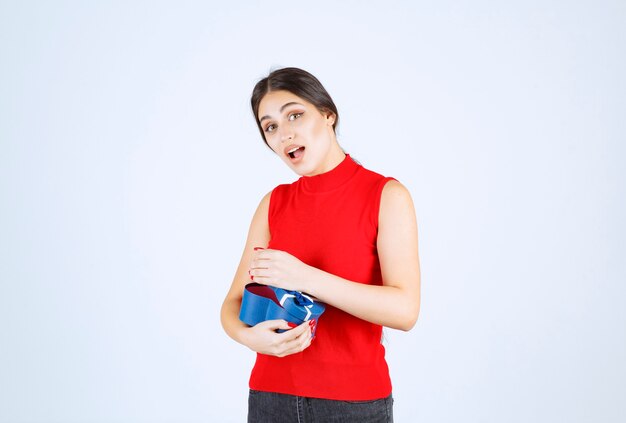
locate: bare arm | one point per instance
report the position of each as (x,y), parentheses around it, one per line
(262,337)
(396,303)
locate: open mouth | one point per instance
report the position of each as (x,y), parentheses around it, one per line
(295,152)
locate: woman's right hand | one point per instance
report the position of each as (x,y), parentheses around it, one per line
(264,339)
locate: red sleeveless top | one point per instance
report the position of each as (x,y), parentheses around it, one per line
(330,221)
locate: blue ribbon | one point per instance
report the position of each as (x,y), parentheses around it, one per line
(264,302)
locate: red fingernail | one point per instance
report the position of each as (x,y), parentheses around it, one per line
(311,323)
(292,325)
(251,277)
(258,248)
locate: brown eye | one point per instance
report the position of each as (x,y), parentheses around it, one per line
(294,116)
(269,128)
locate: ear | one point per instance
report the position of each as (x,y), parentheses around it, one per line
(330,117)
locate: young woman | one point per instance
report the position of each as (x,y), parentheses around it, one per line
(340,233)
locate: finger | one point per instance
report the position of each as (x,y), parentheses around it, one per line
(254,260)
(303,339)
(259,264)
(294,350)
(257,273)
(262,280)
(277,324)
(294,333)
(299,344)
(256,265)
(264,254)
(306,335)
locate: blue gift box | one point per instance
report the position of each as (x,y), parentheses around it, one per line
(264,302)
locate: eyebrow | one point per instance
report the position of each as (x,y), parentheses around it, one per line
(281,109)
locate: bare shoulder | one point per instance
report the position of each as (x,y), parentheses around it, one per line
(262,210)
(395,195)
(265,201)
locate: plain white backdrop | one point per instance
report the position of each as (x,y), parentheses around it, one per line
(130,167)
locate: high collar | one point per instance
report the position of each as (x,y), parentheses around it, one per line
(331,179)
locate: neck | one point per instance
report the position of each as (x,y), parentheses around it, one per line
(331,179)
(334,157)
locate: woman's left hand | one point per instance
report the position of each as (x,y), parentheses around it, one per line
(280,269)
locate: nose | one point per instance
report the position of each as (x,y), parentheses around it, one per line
(286,133)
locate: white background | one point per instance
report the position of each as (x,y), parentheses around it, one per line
(130,166)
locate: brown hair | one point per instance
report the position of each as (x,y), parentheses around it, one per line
(298,82)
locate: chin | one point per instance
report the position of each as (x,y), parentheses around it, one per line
(300,171)
(305,167)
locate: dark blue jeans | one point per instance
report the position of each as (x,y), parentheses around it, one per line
(270,407)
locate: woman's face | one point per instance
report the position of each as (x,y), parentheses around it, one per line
(296,131)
